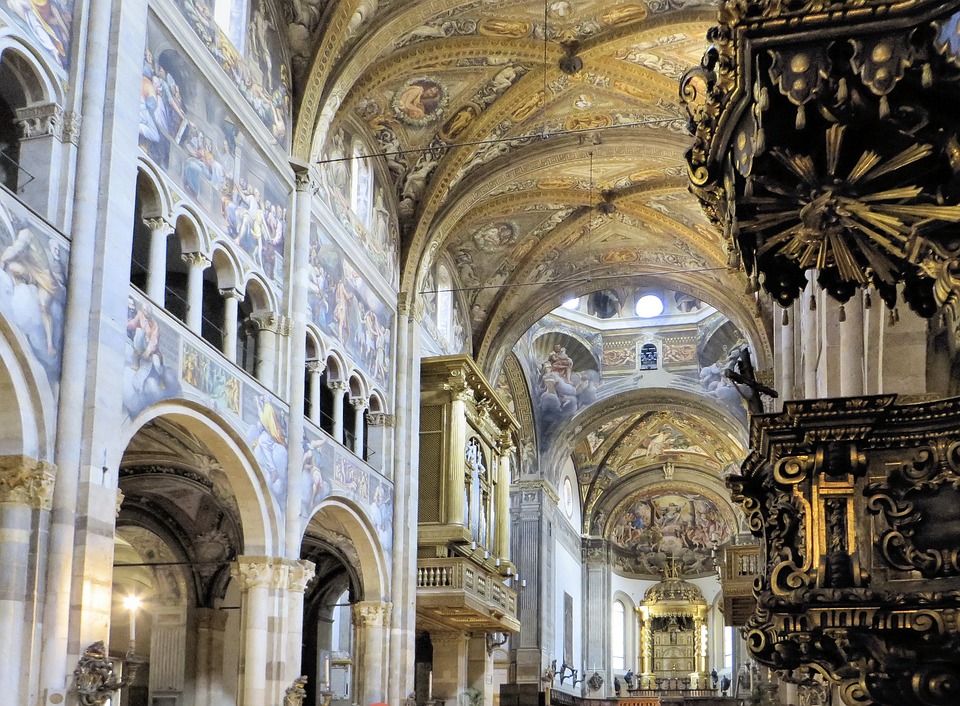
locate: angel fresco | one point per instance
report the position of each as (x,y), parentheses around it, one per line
(49,21)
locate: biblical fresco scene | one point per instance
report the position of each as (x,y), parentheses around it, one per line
(189,132)
(654,527)
(248,49)
(34,262)
(344,306)
(49,23)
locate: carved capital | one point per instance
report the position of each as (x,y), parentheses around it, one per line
(301,572)
(72,122)
(372,614)
(232,293)
(253,571)
(444,641)
(359,403)
(26,481)
(267,321)
(380,419)
(40,121)
(338,387)
(196,259)
(156,224)
(304,182)
(316,367)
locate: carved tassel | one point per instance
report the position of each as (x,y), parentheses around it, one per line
(884,107)
(786,317)
(801,118)
(843,314)
(813,302)
(867,301)
(926,75)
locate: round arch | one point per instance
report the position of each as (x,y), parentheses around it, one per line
(28,411)
(152,191)
(352,522)
(47,87)
(260,513)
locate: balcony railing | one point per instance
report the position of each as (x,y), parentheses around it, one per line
(452,576)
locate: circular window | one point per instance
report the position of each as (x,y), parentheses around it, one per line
(568,497)
(648,306)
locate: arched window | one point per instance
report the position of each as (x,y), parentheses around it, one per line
(231,17)
(361,184)
(444,303)
(618,636)
(11,98)
(648,356)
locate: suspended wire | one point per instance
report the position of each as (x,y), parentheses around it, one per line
(495,140)
(543,133)
(576,280)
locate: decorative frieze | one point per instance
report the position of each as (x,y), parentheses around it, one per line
(72,122)
(26,481)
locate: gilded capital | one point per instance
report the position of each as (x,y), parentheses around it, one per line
(26,481)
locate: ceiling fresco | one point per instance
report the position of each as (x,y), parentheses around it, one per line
(535,148)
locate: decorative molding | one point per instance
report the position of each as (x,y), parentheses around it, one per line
(316,367)
(40,121)
(359,403)
(26,481)
(159,224)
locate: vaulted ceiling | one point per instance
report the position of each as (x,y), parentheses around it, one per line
(537,146)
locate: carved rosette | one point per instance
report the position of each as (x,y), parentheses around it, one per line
(26,481)
(857,504)
(824,139)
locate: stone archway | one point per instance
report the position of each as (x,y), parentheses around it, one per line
(346,642)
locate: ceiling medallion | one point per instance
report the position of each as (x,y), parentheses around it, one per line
(832,145)
(420,101)
(856,502)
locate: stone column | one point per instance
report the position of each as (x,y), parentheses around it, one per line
(501,546)
(269,327)
(370,621)
(810,336)
(851,348)
(339,390)
(532,549)
(646,650)
(197,263)
(232,298)
(359,405)
(301,573)
(26,493)
(597,611)
(41,153)
(210,626)
(315,369)
(455,500)
(449,665)
(160,230)
(255,577)
(379,423)
(479,665)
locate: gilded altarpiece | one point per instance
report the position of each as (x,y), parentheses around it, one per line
(673,645)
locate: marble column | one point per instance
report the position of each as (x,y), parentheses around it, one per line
(160,230)
(597,611)
(379,425)
(450,662)
(208,682)
(42,128)
(26,488)
(300,574)
(371,620)
(339,389)
(501,500)
(255,575)
(532,548)
(851,348)
(197,263)
(231,298)
(359,405)
(269,327)
(315,369)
